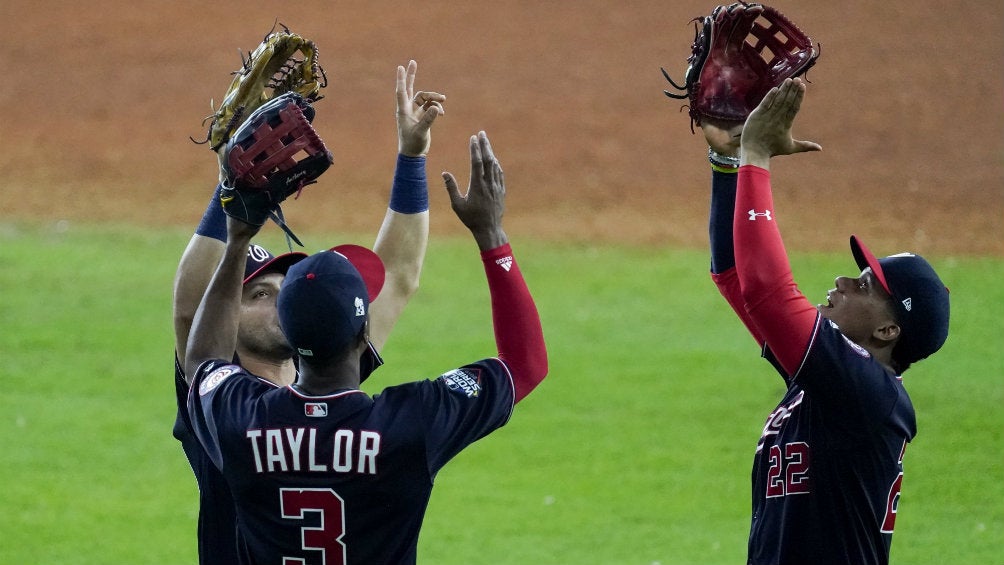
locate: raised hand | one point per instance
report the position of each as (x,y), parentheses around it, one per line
(415,113)
(481,207)
(768,129)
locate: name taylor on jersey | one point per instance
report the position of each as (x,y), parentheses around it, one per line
(281,450)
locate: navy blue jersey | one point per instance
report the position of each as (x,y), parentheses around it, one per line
(342,478)
(828,466)
(217,530)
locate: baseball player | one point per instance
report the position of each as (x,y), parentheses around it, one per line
(261,348)
(320,471)
(828,466)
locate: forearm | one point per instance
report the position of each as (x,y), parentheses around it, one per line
(721,220)
(777,309)
(518,333)
(723,258)
(401,245)
(761,259)
(214,329)
(195,269)
(198,263)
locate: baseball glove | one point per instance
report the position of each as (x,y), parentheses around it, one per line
(273,154)
(739,53)
(271,70)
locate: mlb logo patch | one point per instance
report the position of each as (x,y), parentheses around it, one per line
(315,409)
(463,382)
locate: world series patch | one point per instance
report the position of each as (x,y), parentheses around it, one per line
(463,381)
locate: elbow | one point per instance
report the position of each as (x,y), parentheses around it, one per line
(542,365)
(752,289)
(183,322)
(403,284)
(529,374)
(408,286)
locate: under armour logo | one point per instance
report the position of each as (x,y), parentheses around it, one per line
(908,304)
(505,262)
(754,214)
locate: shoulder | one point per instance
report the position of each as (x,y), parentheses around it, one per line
(841,373)
(830,346)
(217,374)
(487,378)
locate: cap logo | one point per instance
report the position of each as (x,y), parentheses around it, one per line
(257,253)
(360,307)
(754,215)
(908,304)
(505,262)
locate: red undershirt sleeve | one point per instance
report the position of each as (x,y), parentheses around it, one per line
(518,334)
(728,286)
(781,314)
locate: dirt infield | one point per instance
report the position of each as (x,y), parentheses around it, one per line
(99,101)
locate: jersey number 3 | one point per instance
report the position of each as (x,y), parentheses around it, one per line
(327,537)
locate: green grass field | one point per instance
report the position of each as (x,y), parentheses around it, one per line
(636,450)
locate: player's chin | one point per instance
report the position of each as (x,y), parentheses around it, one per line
(279,348)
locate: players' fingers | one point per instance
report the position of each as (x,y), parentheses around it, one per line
(423,97)
(492,165)
(487,154)
(436,105)
(767,102)
(451,188)
(477,163)
(429,116)
(796,97)
(804,146)
(402,89)
(412,71)
(498,177)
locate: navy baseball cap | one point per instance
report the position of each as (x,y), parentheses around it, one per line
(324,300)
(920,300)
(260,261)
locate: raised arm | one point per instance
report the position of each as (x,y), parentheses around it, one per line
(195,269)
(779,311)
(402,240)
(723,154)
(518,334)
(214,329)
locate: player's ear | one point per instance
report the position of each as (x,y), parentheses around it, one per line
(887,332)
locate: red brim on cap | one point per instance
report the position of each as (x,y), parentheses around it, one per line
(278,264)
(865,258)
(368,264)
